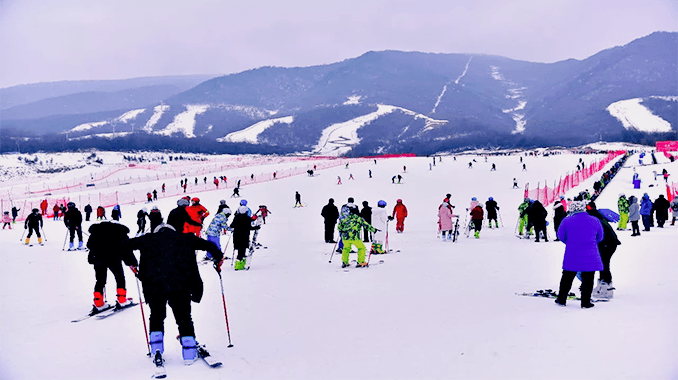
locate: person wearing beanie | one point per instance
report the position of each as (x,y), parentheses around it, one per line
(179,217)
(661,206)
(559,214)
(581,233)
(634,215)
(366,213)
(646,208)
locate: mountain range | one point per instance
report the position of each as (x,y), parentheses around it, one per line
(379,102)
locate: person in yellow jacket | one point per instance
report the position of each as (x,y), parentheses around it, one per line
(349,228)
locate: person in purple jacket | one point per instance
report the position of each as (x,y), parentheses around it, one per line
(581,234)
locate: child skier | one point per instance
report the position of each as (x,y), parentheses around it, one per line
(477,219)
(400,213)
(6,220)
(445,224)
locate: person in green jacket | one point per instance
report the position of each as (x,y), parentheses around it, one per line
(349,228)
(522,209)
(623,205)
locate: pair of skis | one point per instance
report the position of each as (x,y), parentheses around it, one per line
(105,313)
(203,354)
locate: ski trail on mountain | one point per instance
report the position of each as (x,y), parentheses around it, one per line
(465,70)
(514,92)
(440,97)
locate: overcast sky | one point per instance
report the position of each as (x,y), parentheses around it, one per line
(88,39)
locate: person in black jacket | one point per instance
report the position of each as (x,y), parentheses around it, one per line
(155,217)
(537,216)
(178,217)
(661,207)
(559,214)
(33,223)
(169,273)
(366,213)
(107,249)
(241,225)
(491,207)
(73,221)
(88,212)
(331,213)
(606,247)
(141,221)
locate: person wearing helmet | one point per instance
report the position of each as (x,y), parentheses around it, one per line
(198,213)
(178,217)
(116,214)
(243,203)
(349,229)
(623,205)
(379,221)
(141,221)
(399,213)
(474,203)
(217,227)
(491,207)
(33,223)
(264,211)
(73,221)
(241,225)
(155,217)
(523,210)
(477,219)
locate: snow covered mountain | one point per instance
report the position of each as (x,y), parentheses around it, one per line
(390,101)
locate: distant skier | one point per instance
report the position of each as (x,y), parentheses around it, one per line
(661,206)
(116,214)
(88,212)
(236,192)
(492,207)
(646,207)
(400,178)
(101,213)
(149,197)
(33,223)
(338,180)
(198,213)
(400,213)
(297,198)
(370,172)
(470,165)
(264,211)
(6,220)
(56,209)
(537,217)
(350,176)
(330,213)
(523,209)
(141,221)
(393,179)
(15,213)
(73,221)
(515,183)
(494,167)
(155,195)
(634,215)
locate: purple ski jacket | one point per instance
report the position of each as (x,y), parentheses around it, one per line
(581,234)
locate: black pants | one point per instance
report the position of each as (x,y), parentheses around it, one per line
(367,235)
(646,222)
(142,225)
(73,230)
(540,228)
(180,302)
(660,222)
(477,224)
(635,228)
(101,270)
(566,285)
(606,255)
(329,232)
(242,252)
(87,214)
(31,229)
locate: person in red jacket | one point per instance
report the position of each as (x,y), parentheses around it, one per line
(477,219)
(400,213)
(198,213)
(56,210)
(43,207)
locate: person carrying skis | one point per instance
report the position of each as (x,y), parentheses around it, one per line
(445,224)
(241,225)
(73,221)
(198,213)
(297,198)
(141,221)
(537,218)
(491,207)
(33,223)
(6,220)
(217,227)
(88,212)
(101,213)
(330,213)
(477,219)
(107,245)
(349,229)
(116,214)
(179,217)
(169,274)
(155,217)
(379,222)
(581,234)
(400,213)
(366,213)
(264,211)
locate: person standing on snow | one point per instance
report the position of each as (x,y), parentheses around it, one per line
(88,212)
(6,220)
(73,221)
(116,214)
(661,206)
(56,209)
(198,213)
(330,213)
(169,274)
(217,227)
(537,217)
(241,225)
(264,211)
(646,211)
(445,224)
(366,213)
(674,211)
(101,213)
(379,222)
(581,234)
(349,229)
(634,215)
(623,206)
(491,207)
(179,217)
(155,217)
(607,247)
(558,215)
(33,223)
(43,206)
(399,213)
(107,245)
(522,215)
(297,198)
(477,219)
(141,221)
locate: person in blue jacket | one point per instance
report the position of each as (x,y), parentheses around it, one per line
(646,211)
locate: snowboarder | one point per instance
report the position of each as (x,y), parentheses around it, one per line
(88,212)
(241,225)
(297,198)
(470,165)
(366,213)
(107,245)
(524,167)
(379,222)
(163,188)
(399,213)
(141,221)
(330,213)
(155,217)
(581,234)
(477,219)
(73,221)
(491,207)
(33,223)
(198,213)
(634,215)
(170,275)
(349,229)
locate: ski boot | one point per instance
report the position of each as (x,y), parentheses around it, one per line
(344,265)
(189,349)
(28,240)
(240,264)
(80,244)
(477,234)
(361,265)
(122,301)
(99,304)
(70,246)
(40,240)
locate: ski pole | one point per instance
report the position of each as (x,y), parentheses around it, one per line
(143,316)
(43,232)
(223,299)
(22,235)
(334,249)
(65,238)
(388,249)
(500,220)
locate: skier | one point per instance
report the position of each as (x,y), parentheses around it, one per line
(400,213)
(56,209)
(330,213)
(33,223)
(243,202)
(379,220)
(477,219)
(606,247)
(217,227)
(559,214)
(524,168)
(523,210)
(297,198)
(399,178)
(73,221)
(107,245)
(264,211)
(661,206)
(366,213)
(646,211)
(155,217)
(141,221)
(163,188)
(445,224)
(6,220)
(346,210)
(393,179)
(43,206)
(470,165)
(338,180)
(581,234)
(515,183)
(350,176)
(491,207)
(241,225)
(116,214)
(88,212)
(236,192)
(198,213)
(204,180)
(216,183)
(101,213)
(62,209)
(155,195)
(349,229)
(474,203)
(149,197)
(179,217)
(537,218)
(634,215)
(494,167)
(169,273)
(370,172)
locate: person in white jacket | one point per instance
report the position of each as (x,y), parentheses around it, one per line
(379,220)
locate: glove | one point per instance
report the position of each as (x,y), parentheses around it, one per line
(25,227)
(390,218)
(135,270)
(217,265)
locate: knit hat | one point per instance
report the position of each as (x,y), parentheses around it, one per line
(576,207)
(182,202)
(242,210)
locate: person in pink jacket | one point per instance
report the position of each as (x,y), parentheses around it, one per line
(445,220)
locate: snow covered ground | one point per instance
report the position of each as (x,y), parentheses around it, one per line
(434,310)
